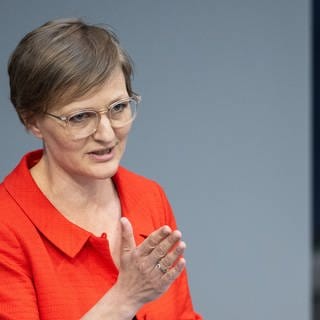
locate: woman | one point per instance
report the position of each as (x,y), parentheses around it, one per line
(81,236)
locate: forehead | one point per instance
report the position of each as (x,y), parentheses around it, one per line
(112,90)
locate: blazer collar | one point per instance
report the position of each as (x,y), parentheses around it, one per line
(64,234)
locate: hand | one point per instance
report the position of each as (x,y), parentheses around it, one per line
(147,271)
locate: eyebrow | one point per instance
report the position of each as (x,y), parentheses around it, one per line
(94,107)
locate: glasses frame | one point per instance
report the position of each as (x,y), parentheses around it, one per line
(66,118)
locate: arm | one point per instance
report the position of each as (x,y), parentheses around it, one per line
(17,296)
(178,297)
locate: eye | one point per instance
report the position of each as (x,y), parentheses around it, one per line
(82,117)
(119,107)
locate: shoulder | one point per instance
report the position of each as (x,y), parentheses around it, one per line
(12,216)
(14,223)
(144,195)
(7,203)
(137,181)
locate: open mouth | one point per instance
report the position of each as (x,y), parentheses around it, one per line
(102,152)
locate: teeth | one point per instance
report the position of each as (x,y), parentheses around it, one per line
(101,152)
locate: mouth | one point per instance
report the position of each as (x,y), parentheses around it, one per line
(102,152)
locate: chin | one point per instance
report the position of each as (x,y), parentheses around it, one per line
(106,172)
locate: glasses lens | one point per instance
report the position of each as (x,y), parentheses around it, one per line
(122,112)
(83,123)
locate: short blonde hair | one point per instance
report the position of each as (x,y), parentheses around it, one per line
(61,61)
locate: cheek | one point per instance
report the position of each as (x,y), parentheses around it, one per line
(122,133)
(61,142)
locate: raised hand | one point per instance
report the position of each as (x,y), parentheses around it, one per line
(146,271)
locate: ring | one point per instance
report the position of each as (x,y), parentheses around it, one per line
(163,270)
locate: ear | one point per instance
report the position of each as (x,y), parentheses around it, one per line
(34,128)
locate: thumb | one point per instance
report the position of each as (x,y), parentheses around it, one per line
(127,239)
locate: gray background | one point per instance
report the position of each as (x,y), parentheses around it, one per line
(224,126)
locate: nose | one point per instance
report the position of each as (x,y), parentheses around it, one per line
(104,130)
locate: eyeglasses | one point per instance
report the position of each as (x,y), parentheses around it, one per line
(83,123)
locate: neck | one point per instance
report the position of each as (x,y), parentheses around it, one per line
(79,193)
(92,204)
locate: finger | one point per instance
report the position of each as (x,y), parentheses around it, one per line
(163,248)
(171,258)
(174,272)
(127,239)
(153,240)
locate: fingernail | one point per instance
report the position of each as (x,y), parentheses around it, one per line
(166,230)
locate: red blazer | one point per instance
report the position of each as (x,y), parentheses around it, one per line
(52,269)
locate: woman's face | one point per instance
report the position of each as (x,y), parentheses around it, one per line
(96,156)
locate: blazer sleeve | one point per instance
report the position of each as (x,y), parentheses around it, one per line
(178,297)
(17,295)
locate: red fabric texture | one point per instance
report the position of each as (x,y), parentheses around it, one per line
(52,269)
